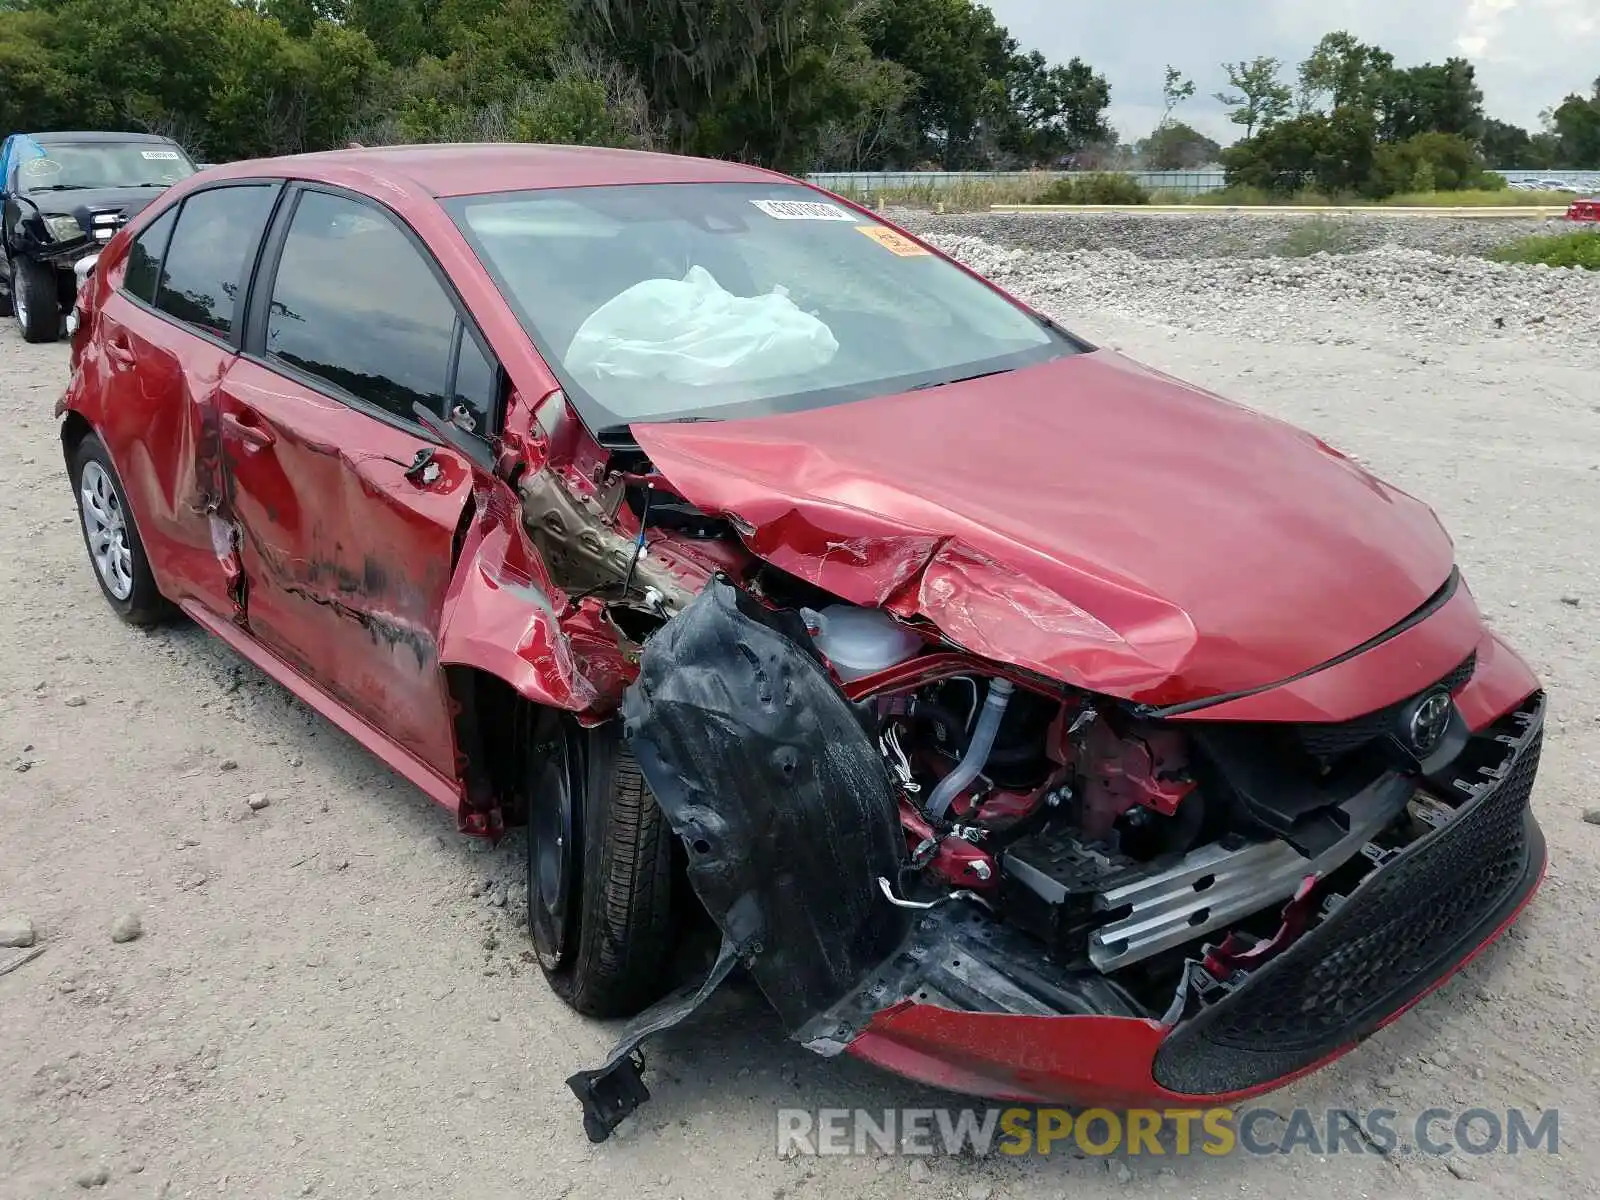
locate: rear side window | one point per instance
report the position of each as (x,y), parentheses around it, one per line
(144,259)
(355,304)
(202,281)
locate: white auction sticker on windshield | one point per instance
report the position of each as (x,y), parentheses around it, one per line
(803,210)
(160,155)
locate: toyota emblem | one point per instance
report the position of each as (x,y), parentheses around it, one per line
(1429,720)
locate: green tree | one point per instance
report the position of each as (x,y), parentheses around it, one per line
(401,30)
(1333,153)
(1342,72)
(1258,98)
(1511,146)
(959,59)
(1177,147)
(1575,123)
(1430,99)
(739,78)
(1175,89)
(1054,112)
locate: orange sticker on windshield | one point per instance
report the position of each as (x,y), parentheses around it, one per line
(897,243)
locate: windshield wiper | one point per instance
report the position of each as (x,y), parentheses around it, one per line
(61,187)
(939,383)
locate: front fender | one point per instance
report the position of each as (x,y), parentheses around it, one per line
(502,614)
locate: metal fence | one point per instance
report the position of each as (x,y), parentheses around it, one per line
(1186,183)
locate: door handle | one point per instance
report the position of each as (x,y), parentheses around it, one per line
(247,430)
(119,351)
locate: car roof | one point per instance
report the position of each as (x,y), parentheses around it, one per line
(82,135)
(476,168)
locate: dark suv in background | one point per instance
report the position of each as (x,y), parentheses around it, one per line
(64,196)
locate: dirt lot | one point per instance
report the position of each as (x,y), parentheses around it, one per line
(329,997)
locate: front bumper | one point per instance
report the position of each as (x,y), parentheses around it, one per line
(1407,928)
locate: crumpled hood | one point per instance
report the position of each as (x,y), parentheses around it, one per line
(1087,518)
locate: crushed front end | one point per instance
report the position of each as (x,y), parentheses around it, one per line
(992,882)
(1282,992)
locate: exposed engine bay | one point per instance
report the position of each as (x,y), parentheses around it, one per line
(1118,842)
(875,817)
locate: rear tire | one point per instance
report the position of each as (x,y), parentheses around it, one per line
(36,300)
(116,552)
(599,872)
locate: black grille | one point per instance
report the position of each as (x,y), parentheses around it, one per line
(1336,740)
(1404,927)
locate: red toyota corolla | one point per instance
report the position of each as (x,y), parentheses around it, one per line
(1029,723)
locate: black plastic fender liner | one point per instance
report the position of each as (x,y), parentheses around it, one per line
(785,805)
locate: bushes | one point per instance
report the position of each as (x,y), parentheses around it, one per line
(1333,154)
(1340,155)
(1580,249)
(1107,188)
(1428,162)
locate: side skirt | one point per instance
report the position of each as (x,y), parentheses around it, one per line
(446,793)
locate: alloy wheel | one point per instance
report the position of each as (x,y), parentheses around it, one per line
(106,526)
(19,300)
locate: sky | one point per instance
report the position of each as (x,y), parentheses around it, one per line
(1529,54)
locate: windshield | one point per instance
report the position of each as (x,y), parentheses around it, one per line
(702,301)
(72,166)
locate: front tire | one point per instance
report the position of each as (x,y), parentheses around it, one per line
(116,552)
(35,300)
(599,872)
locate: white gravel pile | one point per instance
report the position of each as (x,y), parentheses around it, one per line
(1415,294)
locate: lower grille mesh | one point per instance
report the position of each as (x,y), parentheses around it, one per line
(1391,938)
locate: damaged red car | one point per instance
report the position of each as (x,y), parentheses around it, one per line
(1021,719)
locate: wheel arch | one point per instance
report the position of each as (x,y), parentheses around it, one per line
(74,428)
(497,727)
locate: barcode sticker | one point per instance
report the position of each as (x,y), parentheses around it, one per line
(803,210)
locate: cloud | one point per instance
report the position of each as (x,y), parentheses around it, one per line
(1529,53)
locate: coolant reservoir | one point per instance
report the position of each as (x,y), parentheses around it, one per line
(860,641)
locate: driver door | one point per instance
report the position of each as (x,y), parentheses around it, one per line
(348,511)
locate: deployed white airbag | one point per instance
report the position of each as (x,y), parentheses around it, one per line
(691,331)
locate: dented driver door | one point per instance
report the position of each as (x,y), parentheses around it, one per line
(346,509)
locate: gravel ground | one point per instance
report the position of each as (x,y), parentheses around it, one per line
(1224,235)
(330,994)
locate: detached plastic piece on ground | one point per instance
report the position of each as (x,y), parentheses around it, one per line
(613,1090)
(692,331)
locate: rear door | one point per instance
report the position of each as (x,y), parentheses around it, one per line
(348,511)
(163,340)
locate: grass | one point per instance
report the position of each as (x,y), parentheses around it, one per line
(1249,197)
(1315,235)
(978,195)
(965,196)
(1580,249)
(1504,198)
